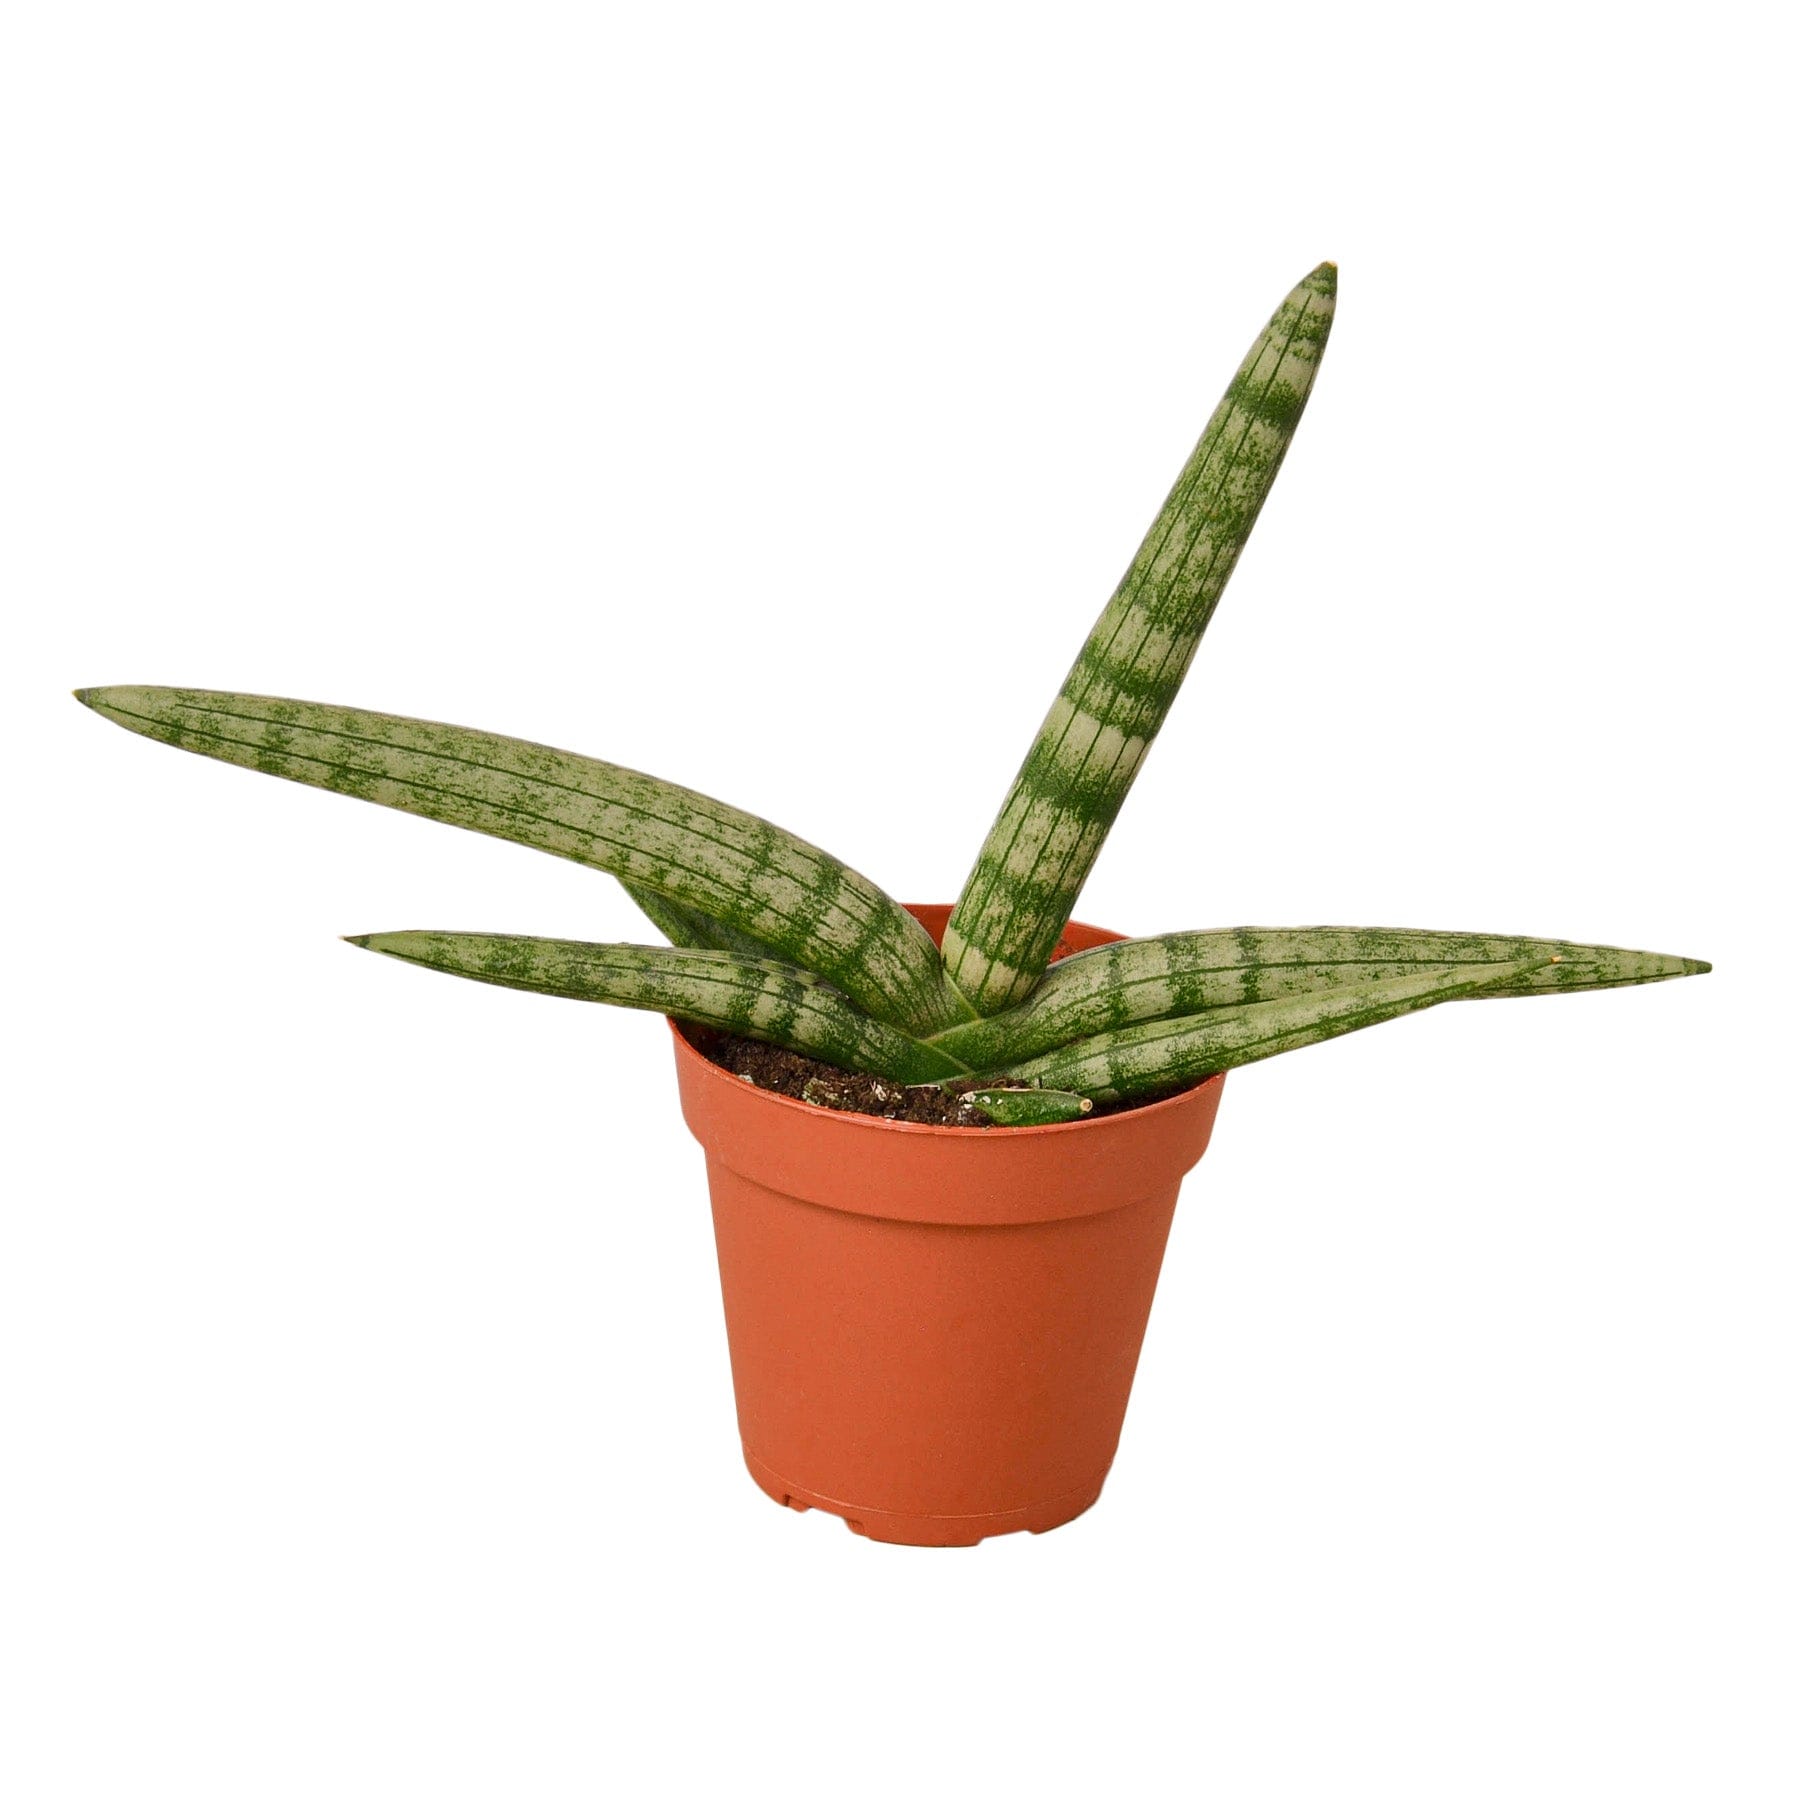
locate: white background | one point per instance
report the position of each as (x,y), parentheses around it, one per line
(769,397)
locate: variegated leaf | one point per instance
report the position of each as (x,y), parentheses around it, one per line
(1029,1106)
(1087,753)
(1174,1053)
(704,856)
(1143,979)
(753,998)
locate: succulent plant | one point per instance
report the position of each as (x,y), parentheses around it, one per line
(772,938)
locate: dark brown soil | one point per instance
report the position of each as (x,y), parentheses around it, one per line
(803,1078)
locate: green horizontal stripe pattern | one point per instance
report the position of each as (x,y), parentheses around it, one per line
(1087,754)
(1144,979)
(1174,1053)
(753,998)
(706,857)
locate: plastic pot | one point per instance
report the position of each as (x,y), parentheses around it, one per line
(934,1330)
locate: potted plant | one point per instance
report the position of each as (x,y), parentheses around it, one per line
(943,1143)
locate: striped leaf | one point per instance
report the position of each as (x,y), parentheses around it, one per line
(706,857)
(1144,979)
(1174,1053)
(1075,778)
(753,998)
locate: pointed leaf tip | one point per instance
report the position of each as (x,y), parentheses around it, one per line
(104,700)
(362,943)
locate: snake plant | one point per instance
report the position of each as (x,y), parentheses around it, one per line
(774,939)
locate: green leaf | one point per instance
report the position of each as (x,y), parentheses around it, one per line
(1143,979)
(692,930)
(1024,884)
(1029,1106)
(704,856)
(751,997)
(1175,1053)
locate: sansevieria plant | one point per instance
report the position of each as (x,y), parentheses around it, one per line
(771,938)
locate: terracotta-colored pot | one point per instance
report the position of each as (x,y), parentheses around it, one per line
(933,1331)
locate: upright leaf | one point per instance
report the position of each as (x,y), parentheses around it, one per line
(759,999)
(706,857)
(1024,884)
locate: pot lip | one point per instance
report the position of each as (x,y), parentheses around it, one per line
(934,916)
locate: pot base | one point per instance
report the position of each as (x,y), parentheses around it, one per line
(943,1531)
